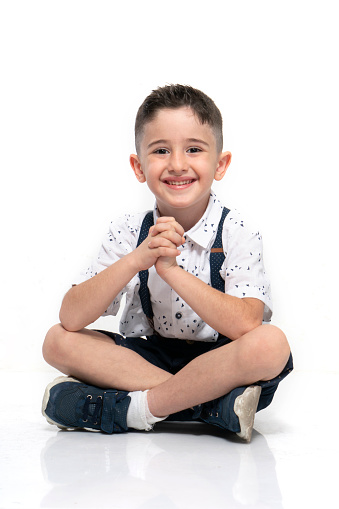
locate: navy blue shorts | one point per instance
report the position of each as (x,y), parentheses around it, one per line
(172,355)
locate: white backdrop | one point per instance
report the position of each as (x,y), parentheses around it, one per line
(73,74)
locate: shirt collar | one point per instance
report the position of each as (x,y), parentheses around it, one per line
(203,232)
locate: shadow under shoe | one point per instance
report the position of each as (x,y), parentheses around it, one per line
(71,404)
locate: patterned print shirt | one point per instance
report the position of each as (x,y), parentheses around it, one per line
(243,272)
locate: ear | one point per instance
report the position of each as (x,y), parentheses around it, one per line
(223,164)
(136,167)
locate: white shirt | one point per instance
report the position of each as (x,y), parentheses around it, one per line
(243,272)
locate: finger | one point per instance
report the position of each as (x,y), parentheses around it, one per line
(166,226)
(163,249)
(158,241)
(167,252)
(165,219)
(177,226)
(173,236)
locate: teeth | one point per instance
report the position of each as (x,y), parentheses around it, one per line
(179,183)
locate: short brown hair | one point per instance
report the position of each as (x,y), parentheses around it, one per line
(177,96)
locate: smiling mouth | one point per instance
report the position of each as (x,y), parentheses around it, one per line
(178,183)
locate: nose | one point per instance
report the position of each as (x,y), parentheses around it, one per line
(177,162)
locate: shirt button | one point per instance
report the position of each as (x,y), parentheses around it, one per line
(178,315)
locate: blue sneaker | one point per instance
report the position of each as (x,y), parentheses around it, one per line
(71,404)
(233,412)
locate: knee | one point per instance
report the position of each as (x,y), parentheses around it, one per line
(274,348)
(52,348)
(273,340)
(266,345)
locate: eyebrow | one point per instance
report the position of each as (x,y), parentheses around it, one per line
(156,143)
(190,140)
(198,140)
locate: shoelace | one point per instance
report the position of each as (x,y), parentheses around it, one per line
(93,417)
(208,409)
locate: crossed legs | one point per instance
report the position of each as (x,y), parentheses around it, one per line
(95,359)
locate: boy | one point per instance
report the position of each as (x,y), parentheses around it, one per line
(193,343)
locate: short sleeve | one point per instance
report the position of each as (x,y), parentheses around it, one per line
(243,269)
(121,239)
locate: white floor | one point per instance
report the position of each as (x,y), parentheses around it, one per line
(290,463)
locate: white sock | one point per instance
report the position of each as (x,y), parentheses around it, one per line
(138,414)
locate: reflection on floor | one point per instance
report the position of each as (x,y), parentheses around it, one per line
(178,465)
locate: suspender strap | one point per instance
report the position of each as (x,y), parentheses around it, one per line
(143,274)
(217,256)
(216,260)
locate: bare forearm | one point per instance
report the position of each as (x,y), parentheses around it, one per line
(85,303)
(229,315)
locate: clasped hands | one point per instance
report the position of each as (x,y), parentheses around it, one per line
(160,248)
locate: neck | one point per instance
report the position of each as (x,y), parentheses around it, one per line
(186,217)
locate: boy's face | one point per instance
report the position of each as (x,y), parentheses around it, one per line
(179,160)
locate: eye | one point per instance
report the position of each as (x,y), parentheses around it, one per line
(193,150)
(161,151)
